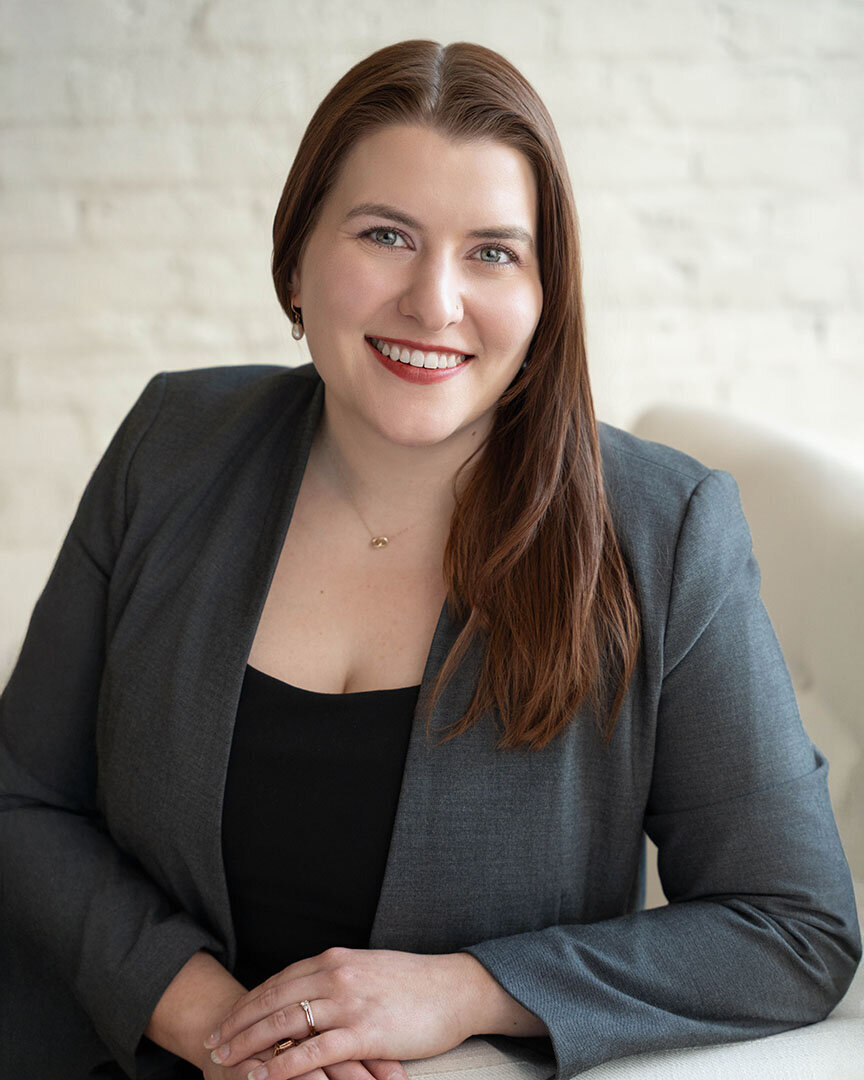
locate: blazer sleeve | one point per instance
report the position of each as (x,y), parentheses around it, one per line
(104,927)
(760,934)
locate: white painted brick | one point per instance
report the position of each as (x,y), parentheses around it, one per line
(300,29)
(90,27)
(525,36)
(814,276)
(86,281)
(230,279)
(211,154)
(844,345)
(34,89)
(718,275)
(605,159)
(180,84)
(78,331)
(69,382)
(37,219)
(799,158)
(225,153)
(832,220)
(633,28)
(309,26)
(719,93)
(834,88)
(100,155)
(23,574)
(830,28)
(60,28)
(151,332)
(101,87)
(46,462)
(179,215)
(592,94)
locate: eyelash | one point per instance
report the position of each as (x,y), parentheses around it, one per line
(486,247)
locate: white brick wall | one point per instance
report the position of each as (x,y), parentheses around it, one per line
(716,152)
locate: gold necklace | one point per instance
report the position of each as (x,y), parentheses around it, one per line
(376,541)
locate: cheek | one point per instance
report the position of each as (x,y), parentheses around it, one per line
(510,316)
(342,288)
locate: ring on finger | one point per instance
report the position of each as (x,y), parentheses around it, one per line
(285,1044)
(310,1020)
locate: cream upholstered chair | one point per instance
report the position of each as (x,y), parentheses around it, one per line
(806,514)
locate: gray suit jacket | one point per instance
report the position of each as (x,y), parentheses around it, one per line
(116,730)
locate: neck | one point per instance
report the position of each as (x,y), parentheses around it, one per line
(393,484)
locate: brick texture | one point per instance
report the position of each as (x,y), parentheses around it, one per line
(717,157)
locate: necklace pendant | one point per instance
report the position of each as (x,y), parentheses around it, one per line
(379,541)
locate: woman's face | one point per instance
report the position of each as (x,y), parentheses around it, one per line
(436,264)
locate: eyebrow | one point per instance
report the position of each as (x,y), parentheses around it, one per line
(487,232)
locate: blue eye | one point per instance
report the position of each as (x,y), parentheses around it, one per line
(372,234)
(392,232)
(512,255)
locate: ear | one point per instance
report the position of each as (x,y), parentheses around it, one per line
(295,289)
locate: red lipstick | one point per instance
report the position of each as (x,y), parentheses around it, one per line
(415,374)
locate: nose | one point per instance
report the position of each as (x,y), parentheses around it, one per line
(432,293)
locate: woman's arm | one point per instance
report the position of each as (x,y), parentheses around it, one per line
(100,923)
(760,934)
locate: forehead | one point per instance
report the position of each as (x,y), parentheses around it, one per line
(435,178)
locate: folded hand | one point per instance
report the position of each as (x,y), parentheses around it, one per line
(371,1007)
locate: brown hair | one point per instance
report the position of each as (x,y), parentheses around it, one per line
(532,561)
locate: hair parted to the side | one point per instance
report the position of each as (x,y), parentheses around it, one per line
(532,562)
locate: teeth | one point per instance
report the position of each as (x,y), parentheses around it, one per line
(416,358)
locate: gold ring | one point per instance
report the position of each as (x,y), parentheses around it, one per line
(285,1044)
(307,1008)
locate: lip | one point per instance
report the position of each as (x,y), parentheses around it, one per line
(415,374)
(421,346)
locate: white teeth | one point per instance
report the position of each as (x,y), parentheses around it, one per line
(416,358)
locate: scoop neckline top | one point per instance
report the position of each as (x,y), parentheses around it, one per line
(273,679)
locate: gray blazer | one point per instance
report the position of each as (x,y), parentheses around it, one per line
(116,729)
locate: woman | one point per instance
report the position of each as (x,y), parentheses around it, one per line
(227,848)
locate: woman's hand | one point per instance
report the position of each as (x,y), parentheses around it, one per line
(371,1007)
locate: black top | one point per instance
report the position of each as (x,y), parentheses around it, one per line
(310,798)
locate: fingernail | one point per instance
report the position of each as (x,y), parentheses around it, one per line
(258,1074)
(211,1040)
(218,1056)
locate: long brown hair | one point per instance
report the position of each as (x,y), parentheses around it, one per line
(532,562)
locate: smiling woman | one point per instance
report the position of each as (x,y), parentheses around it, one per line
(355,687)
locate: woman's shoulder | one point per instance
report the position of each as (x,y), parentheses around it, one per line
(205,406)
(630,462)
(234,384)
(651,489)
(190,426)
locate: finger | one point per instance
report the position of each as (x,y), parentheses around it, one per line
(285,1022)
(386,1070)
(348,1070)
(331,1048)
(280,999)
(311,965)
